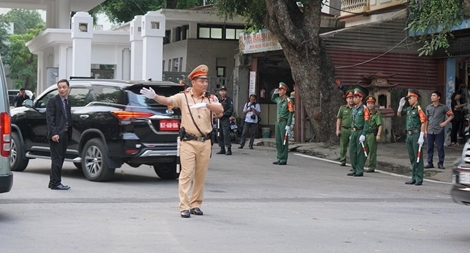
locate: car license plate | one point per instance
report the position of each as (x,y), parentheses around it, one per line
(169,125)
(464,177)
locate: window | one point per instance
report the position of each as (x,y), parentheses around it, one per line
(232,33)
(219,32)
(204,32)
(107,94)
(42,103)
(167,38)
(79,97)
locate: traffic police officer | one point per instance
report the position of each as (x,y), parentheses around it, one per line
(415,133)
(224,119)
(359,129)
(343,126)
(285,110)
(374,133)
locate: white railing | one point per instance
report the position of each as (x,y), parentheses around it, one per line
(353,5)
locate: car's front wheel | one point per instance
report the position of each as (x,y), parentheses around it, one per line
(94,161)
(18,160)
(166,171)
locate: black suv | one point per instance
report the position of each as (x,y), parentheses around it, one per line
(112,124)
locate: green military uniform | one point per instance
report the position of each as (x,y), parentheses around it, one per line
(359,126)
(415,117)
(345,114)
(371,138)
(284,114)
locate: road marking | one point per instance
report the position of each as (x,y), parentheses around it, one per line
(376,170)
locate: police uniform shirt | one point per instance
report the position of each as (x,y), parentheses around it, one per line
(201,116)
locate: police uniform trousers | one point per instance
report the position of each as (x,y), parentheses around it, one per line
(224,133)
(194,156)
(356,153)
(412,146)
(371,146)
(282,150)
(344,143)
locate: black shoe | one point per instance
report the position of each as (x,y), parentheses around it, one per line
(196,211)
(370,170)
(411,182)
(343,164)
(59,187)
(440,166)
(351,174)
(229,151)
(276,162)
(185,214)
(222,151)
(240,147)
(419,183)
(429,166)
(251,147)
(358,175)
(282,163)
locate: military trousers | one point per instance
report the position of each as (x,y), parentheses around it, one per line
(371,145)
(356,154)
(194,156)
(344,143)
(282,150)
(417,167)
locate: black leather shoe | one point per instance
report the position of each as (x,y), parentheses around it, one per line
(185,214)
(282,163)
(59,187)
(411,182)
(276,162)
(358,175)
(196,211)
(440,166)
(351,174)
(343,164)
(221,152)
(240,147)
(429,166)
(251,147)
(370,170)
(229,151)
(419,183)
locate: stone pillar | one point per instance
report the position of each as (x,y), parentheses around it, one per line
(153,32)
(82,34)
(126,60)
(136,48)
(63,14)
(50,16)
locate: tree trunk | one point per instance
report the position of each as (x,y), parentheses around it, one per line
(298,33)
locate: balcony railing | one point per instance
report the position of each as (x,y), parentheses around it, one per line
(349,7)
(353,5)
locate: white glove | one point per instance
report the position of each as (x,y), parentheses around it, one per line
(401,104)
(421,138)
(198,106)
(276,91)
(148,93)
(362,138)
(288,129)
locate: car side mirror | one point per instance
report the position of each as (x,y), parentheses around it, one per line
(28,103)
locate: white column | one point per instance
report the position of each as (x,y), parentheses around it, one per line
(41,72)
(82,34)
(50,14)
(63,14)
(62,62)
(153,32)
(192,31)
(136,48)
(126,64)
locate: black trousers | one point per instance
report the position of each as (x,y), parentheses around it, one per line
(58,150)
(455,129)
(224,133)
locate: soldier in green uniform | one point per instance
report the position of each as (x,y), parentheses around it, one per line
(359,128)
(343,126)
(374,133)
(285,110)
(415,133)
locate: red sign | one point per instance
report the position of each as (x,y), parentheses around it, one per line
(169,125)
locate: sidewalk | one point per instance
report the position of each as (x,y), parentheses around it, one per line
(391,157)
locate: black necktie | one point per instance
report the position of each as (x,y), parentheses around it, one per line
(65,110)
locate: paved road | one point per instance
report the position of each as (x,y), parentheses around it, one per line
(250,206)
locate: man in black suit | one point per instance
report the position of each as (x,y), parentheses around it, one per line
(59,124)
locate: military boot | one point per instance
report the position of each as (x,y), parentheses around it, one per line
(222,151)
(229,151)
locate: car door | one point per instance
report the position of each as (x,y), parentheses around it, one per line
(79,97)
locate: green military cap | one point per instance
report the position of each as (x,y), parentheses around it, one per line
(413,92)
(359,92)
(370,99)
(349,93)
(283,86)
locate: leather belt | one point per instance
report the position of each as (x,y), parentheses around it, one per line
(281,120)
(192,137)
(356,129)
(416,131)
(346,127)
